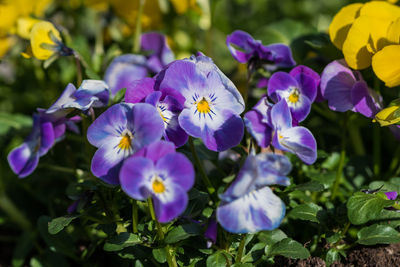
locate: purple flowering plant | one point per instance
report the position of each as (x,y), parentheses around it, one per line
(160,155)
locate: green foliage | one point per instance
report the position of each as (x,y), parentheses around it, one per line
(289,248)
(378,234)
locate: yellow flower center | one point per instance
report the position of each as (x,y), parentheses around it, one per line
(294,96)
(126,140)
(203,106)
(158,185)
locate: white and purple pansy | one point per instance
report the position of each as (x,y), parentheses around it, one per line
(298,140)
(249,205)
(211,105)
(157,171)
(167,106)
(119,132)
(298,88)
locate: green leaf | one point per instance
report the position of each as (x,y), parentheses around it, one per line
(313,186)
(389,217)
(182,232)
(307,212)
(325,178)
(239,264)
(58,224)
(22,249)
(121,241)
(331,256)
(378,234)
(218,259)
(255,253)
(289,248)
(362,207)
(16,121)
(159,255)
(271,237)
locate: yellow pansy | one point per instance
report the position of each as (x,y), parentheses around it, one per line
(8,15)
(45,39)
(388,116)
(24,26)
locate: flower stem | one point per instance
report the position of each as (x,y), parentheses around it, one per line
(138,29)
(377,149)
(78,70)
(170,258)
(210,188)
(134,216)
(339,171)
(240,249)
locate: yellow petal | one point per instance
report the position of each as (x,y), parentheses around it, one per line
(386,65)
(30,7)
(393,33)
(5,44)
(25,25)
(40,34)
(8,16)
(388,116)
(342,22)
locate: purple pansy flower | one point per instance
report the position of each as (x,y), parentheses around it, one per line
(345,90)
(277,55)
(297,140)
(119,132)
(298,88)
(167,105)
(159,172)
(24,159)
(127,68)
(249,205)
(391,195)
(211,103)
(91,93)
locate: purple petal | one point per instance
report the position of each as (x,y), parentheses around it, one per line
(262,83)
(211,231)
(308,80)
(46,137)
(279,54)
(91,93)
(300,141)
(161,53)
(23,160)
(363,101)
(153,98)
(391,195)
(123,70)
(272,169)
(260,131)
(156,150)
(280,81)
(280,116)
(65,97)
(244,41)
(137,90)
(256,211)
(175,133)
(178,169)
(301,109)
(134,177)
(171,203)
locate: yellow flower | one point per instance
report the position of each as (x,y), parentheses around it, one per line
(181,6)
(24,26)
(388,116)
(5,44)
(45,40)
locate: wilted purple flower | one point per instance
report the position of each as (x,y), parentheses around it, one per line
(159,172)
(119,132)
(91,93)
(167,105)
(298,88)
(249,205)
(391,195)
(211,232)
(127,68)
(24,159)
(212,103)
(297,140)
(345,90)
(276,55)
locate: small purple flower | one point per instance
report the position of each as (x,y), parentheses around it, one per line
(211,232)
(161,55)
(167,105)
(297,140)
(159,172)
(298,88)
(345,90)
(118,133)
(275,55)
(249,205)
(91,93)
(211,105)
(24,159)
(391,195)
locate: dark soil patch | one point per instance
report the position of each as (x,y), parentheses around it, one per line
(374,256)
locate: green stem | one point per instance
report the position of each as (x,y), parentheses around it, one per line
(241,249)
(377,149)
(138,29)
(134,216)
(394,163)
(339,171)
(8,207)
(210,188)
(59,168)
(356,139)
(170,258)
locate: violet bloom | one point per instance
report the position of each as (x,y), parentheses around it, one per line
(157,171)
(127,68)
(91,93)
(391,195)
(211,103)
(345,90)
(211,232)
(24,159)
(297,140)
(167,105)
(249,205)
(118,133)
(275,55)
(298,88)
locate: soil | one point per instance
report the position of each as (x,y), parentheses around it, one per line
(374,256)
